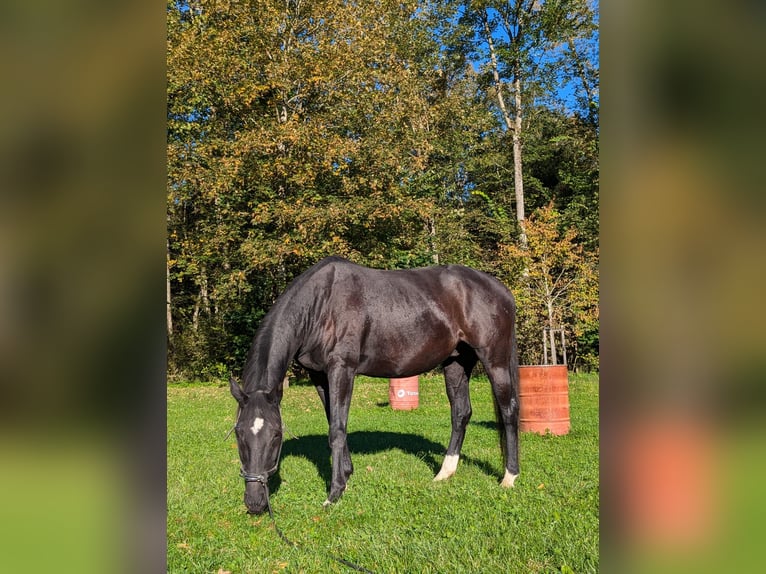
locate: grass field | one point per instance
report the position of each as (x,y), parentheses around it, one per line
(393,517)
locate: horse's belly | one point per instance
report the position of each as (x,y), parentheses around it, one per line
(404,357)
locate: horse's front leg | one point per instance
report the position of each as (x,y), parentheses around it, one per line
(341,383)
(320,382)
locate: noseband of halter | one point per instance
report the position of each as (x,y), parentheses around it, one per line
(262,478)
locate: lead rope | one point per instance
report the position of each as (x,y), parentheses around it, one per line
(264,481)
(289,542)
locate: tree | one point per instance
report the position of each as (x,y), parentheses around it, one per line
(303,129)
(521,47)
(556,287)
(297,130)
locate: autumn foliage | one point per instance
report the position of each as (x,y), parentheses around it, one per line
(556,286)
(299,129)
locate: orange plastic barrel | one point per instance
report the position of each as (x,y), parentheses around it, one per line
(403,394)
(544,399)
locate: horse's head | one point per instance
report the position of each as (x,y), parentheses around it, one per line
(259,438)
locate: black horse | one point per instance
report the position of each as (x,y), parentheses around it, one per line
(339,319)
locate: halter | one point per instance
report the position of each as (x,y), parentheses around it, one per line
(262,478)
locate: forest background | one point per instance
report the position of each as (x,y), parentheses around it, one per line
(397,134)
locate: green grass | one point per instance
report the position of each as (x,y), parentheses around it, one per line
(393,517)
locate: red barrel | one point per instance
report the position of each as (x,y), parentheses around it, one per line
(544,399)
(403,393)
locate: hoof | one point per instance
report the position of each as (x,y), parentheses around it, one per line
(508,480)
(326,503)
(448,467)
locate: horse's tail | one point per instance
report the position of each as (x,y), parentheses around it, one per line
(514,368)
(500,426)
(514,376)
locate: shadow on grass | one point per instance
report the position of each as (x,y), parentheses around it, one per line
(315,448)
(491,425)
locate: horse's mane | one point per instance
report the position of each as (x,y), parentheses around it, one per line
(266,339)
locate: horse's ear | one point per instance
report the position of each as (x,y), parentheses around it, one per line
(236,391)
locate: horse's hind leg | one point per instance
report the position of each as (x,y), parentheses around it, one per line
(505,388)
(457,372)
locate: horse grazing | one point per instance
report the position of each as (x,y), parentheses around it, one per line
(339,319)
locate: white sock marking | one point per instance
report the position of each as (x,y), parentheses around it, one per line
(257,425)
(508,480)
(449,466)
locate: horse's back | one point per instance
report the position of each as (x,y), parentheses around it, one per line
(395,321)
(456,288)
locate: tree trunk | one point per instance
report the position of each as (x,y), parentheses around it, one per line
(168,306)
(202,300)
(579,64)
(496,75)
(552,336)
(195,315)
(563,345)
(204,295)
(432,234)
(518,179)
(513,124)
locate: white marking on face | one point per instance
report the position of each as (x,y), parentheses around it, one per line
(449,466)
(257,425)
(508,479)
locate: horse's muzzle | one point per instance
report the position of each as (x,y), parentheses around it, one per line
(256,511)
(256,499)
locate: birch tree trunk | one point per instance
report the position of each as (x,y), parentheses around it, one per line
(512,123)
(432,235)
(168,306)
(518,179)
